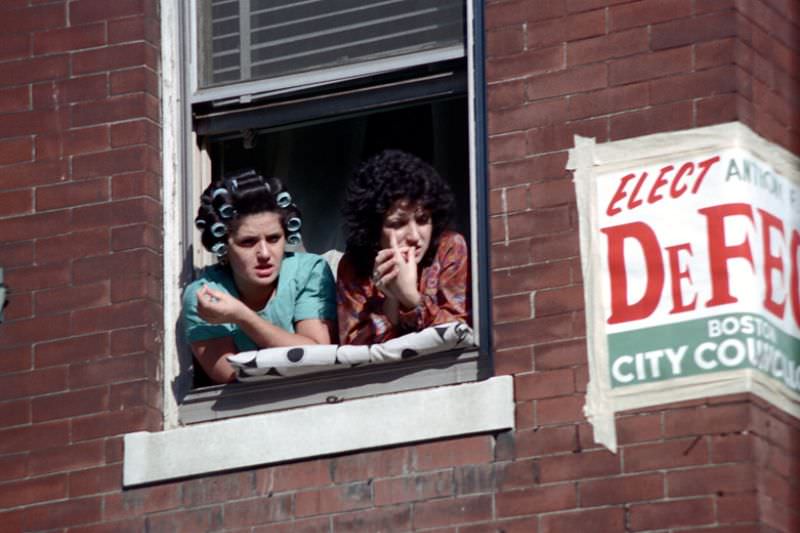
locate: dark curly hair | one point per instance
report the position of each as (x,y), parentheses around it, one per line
(375,185)
(238,194)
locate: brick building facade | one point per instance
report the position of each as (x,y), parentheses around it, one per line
(81,247)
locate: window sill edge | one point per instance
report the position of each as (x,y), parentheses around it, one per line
(317,430)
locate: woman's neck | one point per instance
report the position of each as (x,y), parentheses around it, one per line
(257,300)
(254,297)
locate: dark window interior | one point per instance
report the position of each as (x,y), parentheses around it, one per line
(315,159)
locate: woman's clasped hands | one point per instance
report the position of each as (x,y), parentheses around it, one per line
(395,274)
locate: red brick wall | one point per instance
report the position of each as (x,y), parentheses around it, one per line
(80,241)
(766,56)
(612,70)
(777,464)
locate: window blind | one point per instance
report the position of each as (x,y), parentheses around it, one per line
(246,40)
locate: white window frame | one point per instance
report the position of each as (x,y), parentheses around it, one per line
(328,428)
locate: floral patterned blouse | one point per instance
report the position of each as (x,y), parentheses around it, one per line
(443,286)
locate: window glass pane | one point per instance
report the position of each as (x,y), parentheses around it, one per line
(243,40)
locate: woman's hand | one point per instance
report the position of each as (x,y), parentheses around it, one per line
(217,307)
(395,274)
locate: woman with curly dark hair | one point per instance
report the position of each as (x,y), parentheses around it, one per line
(258,295)
(403,269)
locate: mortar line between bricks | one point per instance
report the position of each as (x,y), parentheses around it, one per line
(523,293)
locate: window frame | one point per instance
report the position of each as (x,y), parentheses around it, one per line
(191,170)
(366,423)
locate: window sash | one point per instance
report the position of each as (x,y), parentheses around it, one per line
(245,92)
(339,102)
(424,31)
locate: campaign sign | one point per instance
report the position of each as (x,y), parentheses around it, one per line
(690,247)
(701,269)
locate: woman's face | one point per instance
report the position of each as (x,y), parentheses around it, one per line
(255,251)
(411,224)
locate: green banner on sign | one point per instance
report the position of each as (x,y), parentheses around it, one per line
(709,345)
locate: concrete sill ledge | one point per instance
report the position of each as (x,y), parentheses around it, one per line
(317,430)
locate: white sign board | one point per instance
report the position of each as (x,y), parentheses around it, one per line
(690,243)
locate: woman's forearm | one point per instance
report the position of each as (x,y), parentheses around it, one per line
(211,356)
(268,335)
(390,308)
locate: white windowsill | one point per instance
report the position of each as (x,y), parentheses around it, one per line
(319,430)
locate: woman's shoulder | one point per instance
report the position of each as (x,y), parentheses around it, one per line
(346,272)
(451,240)
(452,249)
(346,262)
(302,266)
(301,261)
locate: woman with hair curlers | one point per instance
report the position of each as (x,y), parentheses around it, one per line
(403,269)
(258,295)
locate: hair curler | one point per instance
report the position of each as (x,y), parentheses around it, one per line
(218,229)
(220,195)
(221,200)
(249,180)
(226,211)
(294,239)
(219,249)
(293,224)
(284,199)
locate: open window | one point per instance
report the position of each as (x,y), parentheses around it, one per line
(304,90)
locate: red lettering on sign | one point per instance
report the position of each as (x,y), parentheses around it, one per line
(653,197)
(719,252)
(611,210)
(633,201)
(706,166)
(677,185)
(674,189)
(621,310)
(794,283)
(771,262)
(676,275)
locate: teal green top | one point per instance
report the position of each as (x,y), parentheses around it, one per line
(306,290)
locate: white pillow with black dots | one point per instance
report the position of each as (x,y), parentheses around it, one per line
(286,361)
